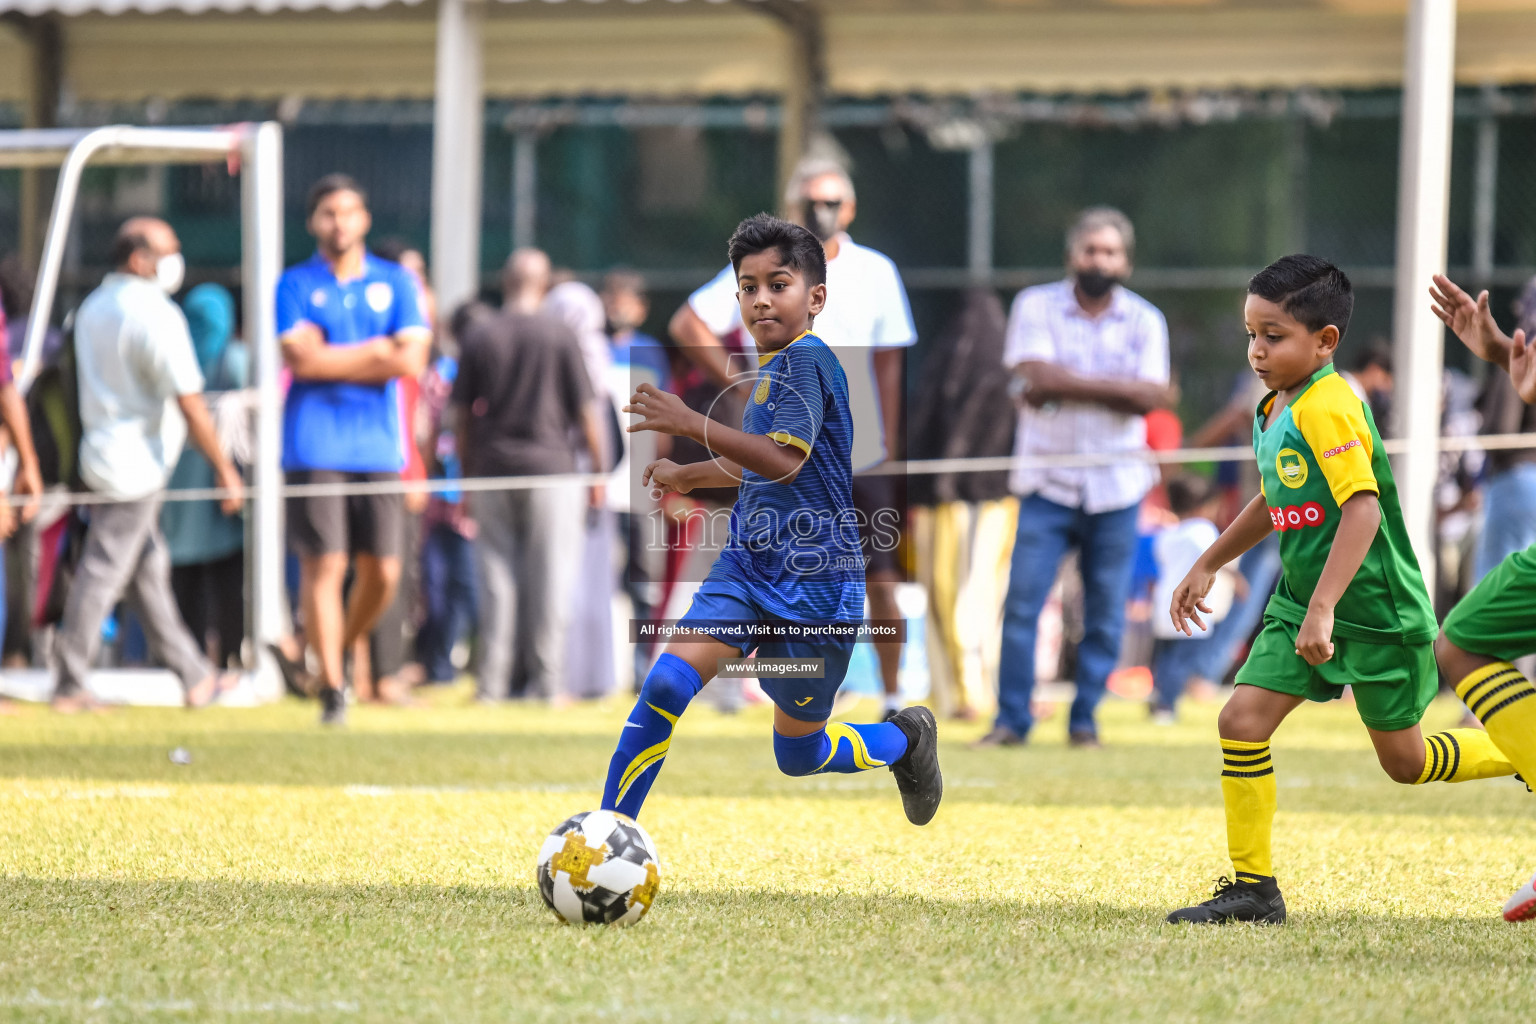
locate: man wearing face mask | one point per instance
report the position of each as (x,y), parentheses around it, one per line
(1089,360)
(140,399)
(868,324)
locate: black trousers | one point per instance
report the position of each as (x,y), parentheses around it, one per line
(211,598)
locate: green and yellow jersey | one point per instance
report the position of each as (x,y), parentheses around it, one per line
(1320,451)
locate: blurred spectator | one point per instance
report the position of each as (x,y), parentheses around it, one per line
(1175,550)
(1370,377)
(589,659)
(963,523)
(350,324)
(137,368)
(380,664)
(868,324)
(1509,498)
(1089,359)
(207,548)
(1260,565)
(521,394)
(15,425)
(449,589)
(638,359)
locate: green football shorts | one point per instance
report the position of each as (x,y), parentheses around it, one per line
(1498,618)
(1393,683)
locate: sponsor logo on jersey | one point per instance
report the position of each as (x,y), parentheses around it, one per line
(1297,517)
(1341,449)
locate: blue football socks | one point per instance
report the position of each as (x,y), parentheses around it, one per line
(840,747)
(643,743)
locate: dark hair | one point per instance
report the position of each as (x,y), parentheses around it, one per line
(1312,290)
(328,186)
(392,248)
(16,285)
(125,243)
(1187,492)
(797,247)
(1375,354)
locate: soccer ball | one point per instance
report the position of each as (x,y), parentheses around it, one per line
(599,867)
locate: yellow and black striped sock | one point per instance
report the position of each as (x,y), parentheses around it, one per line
(1460,755)
(1248,791)
(1497,694)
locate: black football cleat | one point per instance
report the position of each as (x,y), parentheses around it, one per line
(917,773)
(333,706)
(1255,902)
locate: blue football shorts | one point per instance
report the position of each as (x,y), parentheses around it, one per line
(723,609)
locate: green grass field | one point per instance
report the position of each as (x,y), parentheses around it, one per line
(386,873)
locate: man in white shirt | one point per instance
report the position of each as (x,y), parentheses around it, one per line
(140,398)
(868,323)
(1089,359)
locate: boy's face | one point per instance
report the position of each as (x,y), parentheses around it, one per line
(776,302)
(1280,348)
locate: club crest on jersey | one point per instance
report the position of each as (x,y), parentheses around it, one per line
(1297,517)
(1291,467)
(760,395)
(379,295)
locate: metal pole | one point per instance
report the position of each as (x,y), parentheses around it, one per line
(261,202)
(458,140)
(982,206)
(1485,183)
(1422,214)
(525,187)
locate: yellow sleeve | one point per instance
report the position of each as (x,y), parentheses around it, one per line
(1333,423)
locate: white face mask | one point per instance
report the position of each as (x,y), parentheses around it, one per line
(170,270)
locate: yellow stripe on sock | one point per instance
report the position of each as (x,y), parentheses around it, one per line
(837,731)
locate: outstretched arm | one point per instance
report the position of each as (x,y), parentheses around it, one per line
(664,412)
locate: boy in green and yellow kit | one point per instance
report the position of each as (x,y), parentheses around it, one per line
(1351,608)
(1495,623)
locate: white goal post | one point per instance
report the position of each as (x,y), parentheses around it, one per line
(257,151)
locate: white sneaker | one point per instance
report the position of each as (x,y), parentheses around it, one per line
(1522,905)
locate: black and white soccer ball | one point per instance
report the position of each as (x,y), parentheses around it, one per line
(599,867)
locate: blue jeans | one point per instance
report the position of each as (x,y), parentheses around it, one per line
(1510,522)
(452,604)
(1260,566)
(1173,662)
(1106,542)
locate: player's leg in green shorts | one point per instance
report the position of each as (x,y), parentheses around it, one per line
(1393,684)
(1479,642)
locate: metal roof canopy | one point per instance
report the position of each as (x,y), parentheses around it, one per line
(257,150)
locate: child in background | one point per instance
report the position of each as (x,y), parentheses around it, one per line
(1176,549)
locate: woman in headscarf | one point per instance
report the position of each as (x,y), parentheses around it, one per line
(207,547)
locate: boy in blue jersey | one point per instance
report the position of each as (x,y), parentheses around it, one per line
(790,581)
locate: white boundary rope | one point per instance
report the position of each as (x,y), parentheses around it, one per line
(915,467)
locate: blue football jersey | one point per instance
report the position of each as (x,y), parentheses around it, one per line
(338,425)
(797,544)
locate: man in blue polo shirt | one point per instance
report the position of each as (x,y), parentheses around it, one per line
(350,324)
